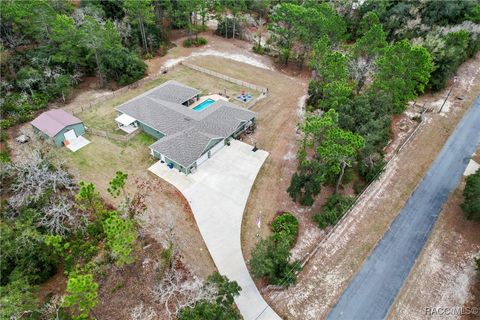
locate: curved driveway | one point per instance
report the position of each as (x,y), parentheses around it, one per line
(217,194)
(373,290)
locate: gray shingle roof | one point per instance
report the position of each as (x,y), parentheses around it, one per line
(184,147)
(188,132)
(157,115)
(174,91)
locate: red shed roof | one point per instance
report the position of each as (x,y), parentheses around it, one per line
(53,121)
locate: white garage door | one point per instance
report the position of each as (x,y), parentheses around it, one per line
(202,159)
(70,135)
(217,147)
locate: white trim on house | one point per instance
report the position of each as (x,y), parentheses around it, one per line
(202,159)
(217,147)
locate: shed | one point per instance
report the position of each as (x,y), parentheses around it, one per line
(59,126)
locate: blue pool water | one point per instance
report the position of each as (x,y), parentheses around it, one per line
(204,105)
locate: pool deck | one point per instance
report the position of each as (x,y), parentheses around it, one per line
(215,97)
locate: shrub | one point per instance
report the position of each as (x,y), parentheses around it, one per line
(270,259)
(370,173)
(24,254)
(187,43)
(257,48)
(3,136)
(333,210)
(306,183)
(474,14)
(286,225)
(197,42)
(471,194)
(201,41)
(208,310)
(75,252)
(18,300)
(4,155)
(6,123)
(219,306)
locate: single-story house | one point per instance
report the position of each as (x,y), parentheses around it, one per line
(189,131)
(60,128)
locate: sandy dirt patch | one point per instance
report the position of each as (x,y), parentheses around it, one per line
(236,50)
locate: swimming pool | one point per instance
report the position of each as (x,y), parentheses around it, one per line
(204,105)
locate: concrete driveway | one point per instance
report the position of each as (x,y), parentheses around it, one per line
(217,194)
(373,290)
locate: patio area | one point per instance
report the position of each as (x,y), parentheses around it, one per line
(126,123)
(77,143)
(214,97)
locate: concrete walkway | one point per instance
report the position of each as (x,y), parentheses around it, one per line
(372,291)
(217,194)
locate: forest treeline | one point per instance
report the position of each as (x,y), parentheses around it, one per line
(368,61)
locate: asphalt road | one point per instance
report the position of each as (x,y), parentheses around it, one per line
(373,289)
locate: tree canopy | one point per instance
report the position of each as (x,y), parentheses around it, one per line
(471,194)
(403,72)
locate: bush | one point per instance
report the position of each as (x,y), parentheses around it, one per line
(24,254)
(286,225)
(223,305)
(18,300)
(306,183)
(197,42)
(333,210)
(471,194)
(271,256)
(208,310)
(4,155)
(187,43)
(270,259)
(75,252)
(257,48)
(370,173)
(474,14)
(448,58)
(6,123)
